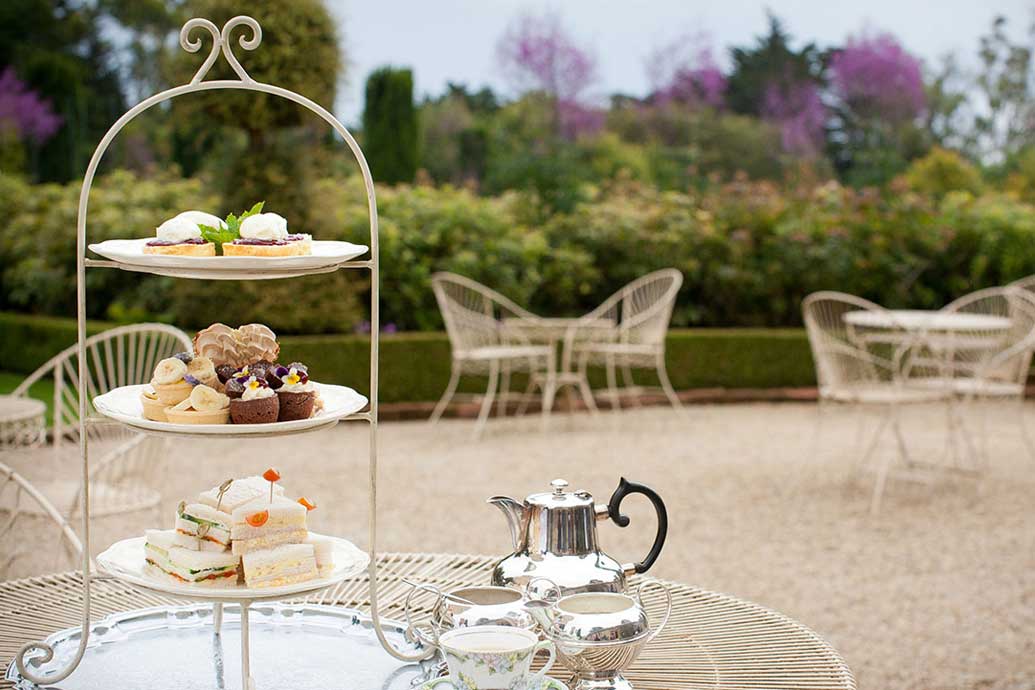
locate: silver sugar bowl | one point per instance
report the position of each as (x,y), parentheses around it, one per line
(598,635)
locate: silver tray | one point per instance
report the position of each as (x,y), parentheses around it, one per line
(292,646)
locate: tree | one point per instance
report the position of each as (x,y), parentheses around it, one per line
(259,146)
(685,71)
(878,94)
(55,47)
(769,64)
(145,27)
(948,119)
(454,131)
(1006,121)
(390,125)
(537,54)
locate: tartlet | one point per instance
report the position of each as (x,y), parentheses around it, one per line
(154,409)
(205,405)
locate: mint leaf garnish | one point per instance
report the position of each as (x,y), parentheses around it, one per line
(232,231)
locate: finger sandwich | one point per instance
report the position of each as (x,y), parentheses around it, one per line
(186,566)
(323,549)
(200,527)
(283,565)
(241,491)
(262,524)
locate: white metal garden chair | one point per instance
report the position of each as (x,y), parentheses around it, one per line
(482,344)
(853,368)
(124,474)
(641,312)
(987,363)
(20,501)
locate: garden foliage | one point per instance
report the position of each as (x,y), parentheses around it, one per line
(749,251)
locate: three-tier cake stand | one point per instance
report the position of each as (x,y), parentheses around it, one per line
(33,654)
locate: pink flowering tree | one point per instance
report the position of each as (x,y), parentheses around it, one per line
(799,112)
(878,97)
(536,53)
(874,77)
(685,71)
(22,111)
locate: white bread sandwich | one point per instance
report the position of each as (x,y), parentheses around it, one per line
(283,565)
(323,549)
(186,566)
(200,527)
(241,491)
(263,525)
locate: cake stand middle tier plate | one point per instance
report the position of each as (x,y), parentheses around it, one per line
(123,404)
(125,560)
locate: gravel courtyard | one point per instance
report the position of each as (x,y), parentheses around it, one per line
(936,592)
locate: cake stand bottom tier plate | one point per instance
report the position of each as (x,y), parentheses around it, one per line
(292,646)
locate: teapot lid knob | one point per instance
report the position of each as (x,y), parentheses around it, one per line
(559,485)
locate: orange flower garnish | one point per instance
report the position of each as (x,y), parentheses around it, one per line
(258,519)
(271,475)
(308,506)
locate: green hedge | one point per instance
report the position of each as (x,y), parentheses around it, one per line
(415,366)
(748,251)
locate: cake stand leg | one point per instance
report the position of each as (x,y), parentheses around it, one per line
(217,618)
(246,675)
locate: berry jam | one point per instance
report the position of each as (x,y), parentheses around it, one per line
(167,243)
(270,243)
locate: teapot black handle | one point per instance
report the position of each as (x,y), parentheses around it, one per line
(626,487)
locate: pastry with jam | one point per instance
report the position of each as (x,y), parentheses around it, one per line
(181,235)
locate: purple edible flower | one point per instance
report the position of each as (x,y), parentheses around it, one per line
(191,380)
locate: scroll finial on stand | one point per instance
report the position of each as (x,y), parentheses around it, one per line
(221,41)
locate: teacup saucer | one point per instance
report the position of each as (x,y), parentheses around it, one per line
(443,684)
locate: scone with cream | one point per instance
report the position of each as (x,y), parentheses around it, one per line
(266,234)
(181,235)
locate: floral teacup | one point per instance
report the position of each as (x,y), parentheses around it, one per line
(493,657)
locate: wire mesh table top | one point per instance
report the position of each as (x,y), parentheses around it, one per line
(712,640)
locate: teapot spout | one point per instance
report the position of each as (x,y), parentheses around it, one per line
(516,513)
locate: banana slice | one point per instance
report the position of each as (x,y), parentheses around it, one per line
(168,371)
(202,369)
(206,399)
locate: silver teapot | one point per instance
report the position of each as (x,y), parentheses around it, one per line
(598,635)
(555,538)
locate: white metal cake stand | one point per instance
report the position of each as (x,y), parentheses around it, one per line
(33,654)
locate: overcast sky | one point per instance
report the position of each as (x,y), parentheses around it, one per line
(454,40)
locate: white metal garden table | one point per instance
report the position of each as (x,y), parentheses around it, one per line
(22,421)
(553,331)
(925,320)
(712,640)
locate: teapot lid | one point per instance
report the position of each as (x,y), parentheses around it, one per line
(559,498)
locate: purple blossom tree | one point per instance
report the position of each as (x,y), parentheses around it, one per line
(875,77)
(22,110)
(536,53)
(800,114)
(685,71)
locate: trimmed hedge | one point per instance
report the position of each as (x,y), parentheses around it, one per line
(415,366)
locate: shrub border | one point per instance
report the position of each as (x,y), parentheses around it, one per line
(415,366)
